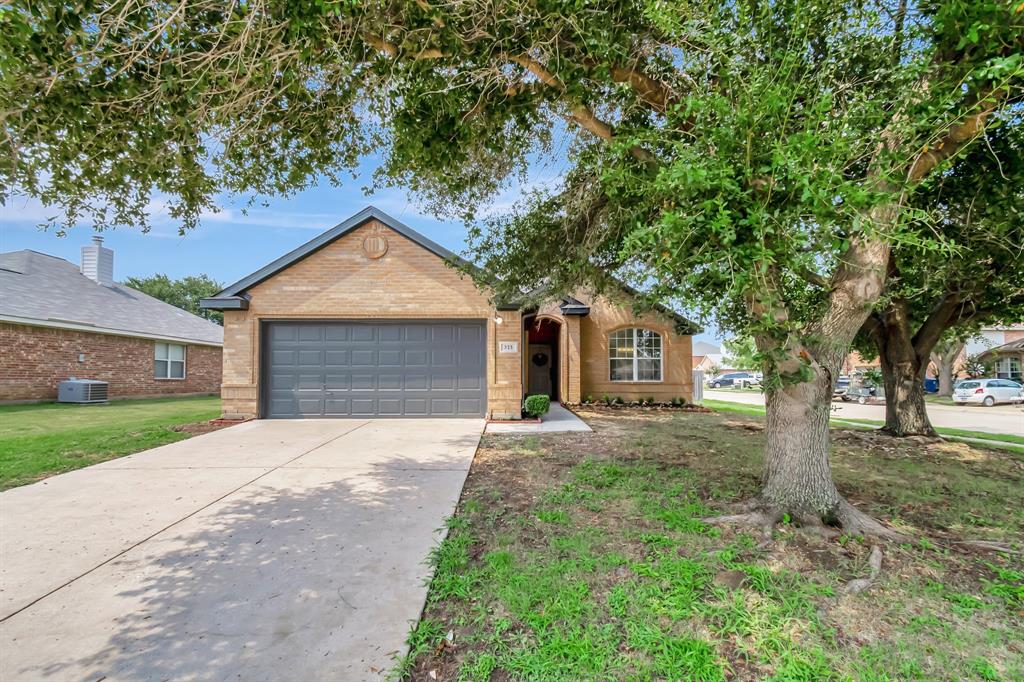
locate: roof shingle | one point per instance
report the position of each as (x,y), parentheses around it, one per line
(47,290)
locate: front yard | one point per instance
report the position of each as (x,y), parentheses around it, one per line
(583,557)
(45,439)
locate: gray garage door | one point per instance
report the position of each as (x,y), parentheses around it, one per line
(373,369)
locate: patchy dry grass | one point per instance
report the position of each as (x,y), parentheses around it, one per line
(583,557)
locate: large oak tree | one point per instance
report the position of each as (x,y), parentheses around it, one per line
(752,157)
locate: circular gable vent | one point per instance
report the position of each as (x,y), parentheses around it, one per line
(375,246)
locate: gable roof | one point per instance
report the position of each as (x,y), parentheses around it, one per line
(43,290)
(1011,347)
(233,297)
(705,348)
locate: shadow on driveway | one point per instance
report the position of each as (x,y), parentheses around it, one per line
(308,573)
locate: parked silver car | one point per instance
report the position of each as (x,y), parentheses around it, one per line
(987,392)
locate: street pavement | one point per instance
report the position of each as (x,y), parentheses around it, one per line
(1001,419)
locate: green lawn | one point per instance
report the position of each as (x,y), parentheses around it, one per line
(45,439)
(584,557)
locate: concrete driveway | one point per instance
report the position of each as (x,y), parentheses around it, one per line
(272,550)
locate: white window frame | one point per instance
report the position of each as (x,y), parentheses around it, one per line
(636,358)
(166,347)
(1005,368)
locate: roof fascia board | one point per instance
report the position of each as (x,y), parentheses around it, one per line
(72,326)
(224,303)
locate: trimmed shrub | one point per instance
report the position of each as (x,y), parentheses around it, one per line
(536,405)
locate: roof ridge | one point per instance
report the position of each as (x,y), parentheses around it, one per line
(370,212)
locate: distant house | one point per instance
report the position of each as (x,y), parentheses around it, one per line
(707,356)
(855,364)
(704,363)
(1006,359)
(60,320)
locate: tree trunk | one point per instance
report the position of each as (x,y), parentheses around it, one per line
(906,412)
(797,474)
(903,369)
(946,379)
(945,362)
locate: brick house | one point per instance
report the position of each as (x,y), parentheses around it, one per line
(1008,359)
(59,320)
(370,319)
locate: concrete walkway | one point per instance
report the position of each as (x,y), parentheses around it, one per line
(267,551)
(557,420)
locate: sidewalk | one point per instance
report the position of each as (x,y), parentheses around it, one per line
(557,420)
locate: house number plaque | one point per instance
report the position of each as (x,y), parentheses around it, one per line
(508,346)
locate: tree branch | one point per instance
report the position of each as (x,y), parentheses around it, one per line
(651,91)
(580,113)
(938,321)
(812,277)
(958,135)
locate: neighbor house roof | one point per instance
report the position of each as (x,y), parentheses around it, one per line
(48,291)
(1006,349)
(697,359)
(705,348)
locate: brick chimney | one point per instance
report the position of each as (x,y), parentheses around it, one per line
(98,262)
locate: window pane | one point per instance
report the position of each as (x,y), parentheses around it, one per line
(622,370)
(177,370)
(160,371)
(620,344)
(176,352)
(648,343)
(649,370)
(161,351)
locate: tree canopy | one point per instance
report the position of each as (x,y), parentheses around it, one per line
(184,293)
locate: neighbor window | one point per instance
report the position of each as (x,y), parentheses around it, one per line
(170,361)
(1008,368)
(634,355)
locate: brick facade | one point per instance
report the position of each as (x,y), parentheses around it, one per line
(583,353)
(342,281)
(34,359)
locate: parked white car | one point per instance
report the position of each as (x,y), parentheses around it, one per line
(987,392)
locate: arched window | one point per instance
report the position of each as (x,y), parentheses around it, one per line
(634,355)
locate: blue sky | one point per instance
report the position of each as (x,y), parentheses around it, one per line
(231,243)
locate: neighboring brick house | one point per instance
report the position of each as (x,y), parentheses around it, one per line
(1008,359)
(370,319)
(59,320)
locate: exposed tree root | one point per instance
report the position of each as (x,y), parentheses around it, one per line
(851,520)
(874,567)
(765,520)
(929,435)
(856,522)
(989,546)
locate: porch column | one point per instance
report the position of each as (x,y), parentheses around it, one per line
(571,366)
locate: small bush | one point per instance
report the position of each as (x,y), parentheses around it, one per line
(607,399)
(536,405)
(588,400)
(678,402)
